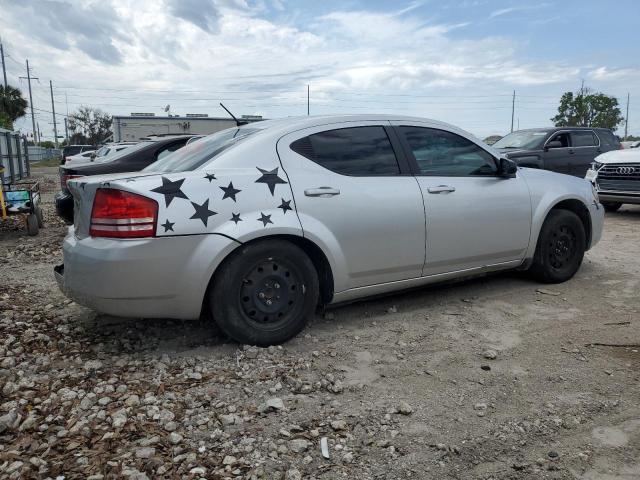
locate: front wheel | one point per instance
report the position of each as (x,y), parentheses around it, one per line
(560,248)
(264,293)
(611,206)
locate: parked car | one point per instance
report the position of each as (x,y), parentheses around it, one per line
(132,159)
(616,176)
(111,148)
(260,224)
(70,150)
(631,144)
(80,158)
(568,150)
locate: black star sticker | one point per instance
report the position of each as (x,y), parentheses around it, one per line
(210,176)
(202,212)
(235,217)
(264,219)
(285,205)
(270,177)
(168,225)
(170,190)
(230,192)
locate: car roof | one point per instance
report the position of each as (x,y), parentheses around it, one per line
(555,129)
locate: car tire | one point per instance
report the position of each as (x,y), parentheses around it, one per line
(560,249)
(264,293)
(611,206)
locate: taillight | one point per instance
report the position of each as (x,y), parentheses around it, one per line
(120,214)
(64,179)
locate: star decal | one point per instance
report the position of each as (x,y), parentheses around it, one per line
(170,190)
(271,178)
(210,176)
(168,225)
(285,205)
(264,219)
(235,217)
(202,212)
(230,192)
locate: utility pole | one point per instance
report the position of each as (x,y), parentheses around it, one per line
(513,108)
(39,136)
(53,110)
(307,99)
(33,117)
(626,122)
(66,131)
(4,69)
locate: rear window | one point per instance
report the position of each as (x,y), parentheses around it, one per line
(360,151)
(69,151)
(198,153)
(608,138)
(583,139)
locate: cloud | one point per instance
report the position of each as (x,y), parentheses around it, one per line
(522,8)
(202,13)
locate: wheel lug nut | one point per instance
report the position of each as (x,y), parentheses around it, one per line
(276,285)
(261,295)
(269,302)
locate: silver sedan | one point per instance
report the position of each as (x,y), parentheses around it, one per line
(260,224)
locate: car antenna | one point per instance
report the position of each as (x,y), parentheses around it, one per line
(238,122)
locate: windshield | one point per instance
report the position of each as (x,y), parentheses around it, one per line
(198,153)
(102,152)
(523,139)
(122,153)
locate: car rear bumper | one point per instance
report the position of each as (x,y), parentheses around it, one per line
(163,277)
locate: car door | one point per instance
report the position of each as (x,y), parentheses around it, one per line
(474,217)
(355,195)
(585,146)
(556,158)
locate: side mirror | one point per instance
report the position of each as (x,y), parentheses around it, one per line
(554,144)
(507,168)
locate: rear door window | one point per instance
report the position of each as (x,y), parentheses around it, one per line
(583,138)
(355,151)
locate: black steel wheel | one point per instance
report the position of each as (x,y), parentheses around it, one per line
(560,249)
(264,293)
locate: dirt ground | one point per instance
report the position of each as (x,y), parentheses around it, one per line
(400,387)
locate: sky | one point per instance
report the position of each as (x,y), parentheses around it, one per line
(454,61)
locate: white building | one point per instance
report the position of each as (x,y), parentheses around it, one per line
(139,125)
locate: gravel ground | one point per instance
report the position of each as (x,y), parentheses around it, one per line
(492,378)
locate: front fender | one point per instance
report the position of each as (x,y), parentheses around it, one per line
(540,212)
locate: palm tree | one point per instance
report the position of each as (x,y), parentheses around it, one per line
(12,104)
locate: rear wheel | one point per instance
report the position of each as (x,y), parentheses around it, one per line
(265,293)
(38,212)
(611,206)
(560,248)
(32,224)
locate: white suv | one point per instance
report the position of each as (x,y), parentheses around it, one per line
(616,176)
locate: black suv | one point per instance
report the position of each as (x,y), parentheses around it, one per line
(71,150)
(568,150)
(132,159)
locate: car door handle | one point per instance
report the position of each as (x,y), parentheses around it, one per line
(571,152)
(321,192)
(441,189)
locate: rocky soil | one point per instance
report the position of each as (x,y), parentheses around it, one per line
(492,378)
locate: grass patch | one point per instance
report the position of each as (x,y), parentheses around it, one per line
(52,162)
